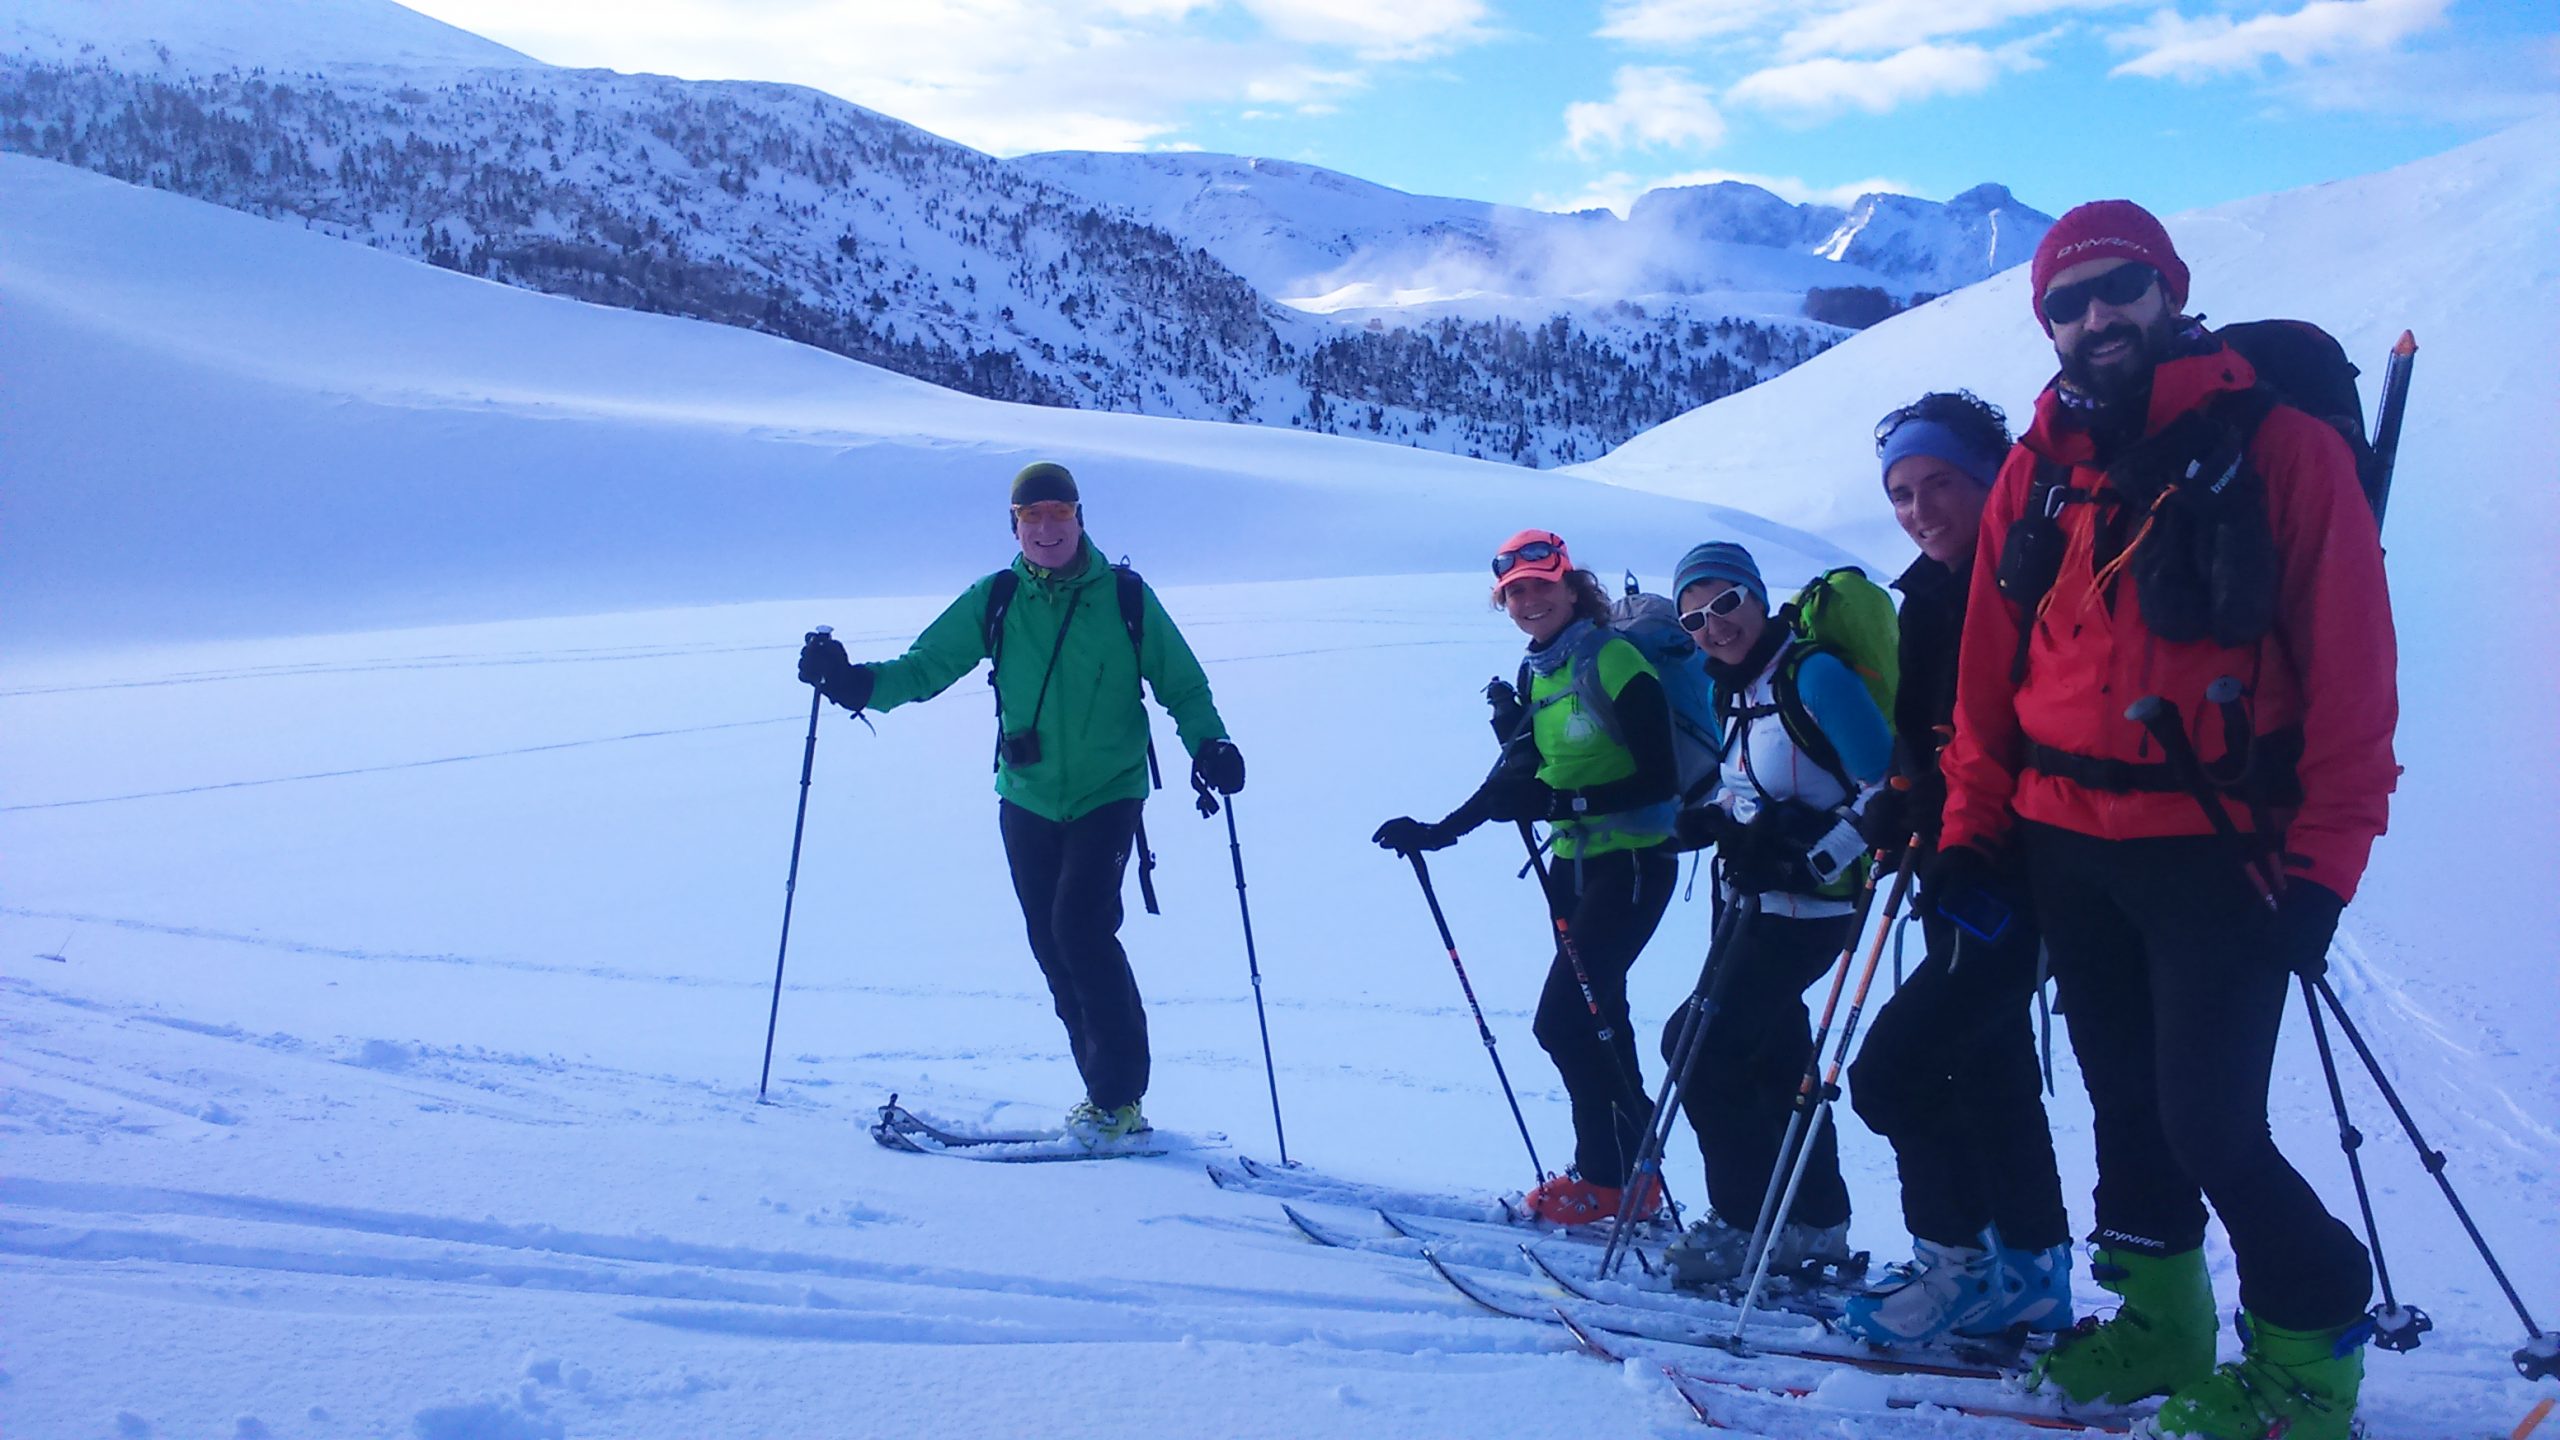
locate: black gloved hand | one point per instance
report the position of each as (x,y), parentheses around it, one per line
(1886,823)
(1408,837)
(1758,856)
(1970,888)
(1700,826)
(822,658)
(824,664)
(2306,921)
(1518,797)
(1220,766)
(1507,709)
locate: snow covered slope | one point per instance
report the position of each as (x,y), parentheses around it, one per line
(192,35)
(237,424)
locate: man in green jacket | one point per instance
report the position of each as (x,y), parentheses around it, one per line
(1071,759)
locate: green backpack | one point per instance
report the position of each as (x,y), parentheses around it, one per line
(1846,615)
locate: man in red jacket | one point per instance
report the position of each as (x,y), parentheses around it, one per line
(2162,526)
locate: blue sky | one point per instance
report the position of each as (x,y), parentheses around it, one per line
(2176,103)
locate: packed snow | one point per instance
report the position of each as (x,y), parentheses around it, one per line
(402,758)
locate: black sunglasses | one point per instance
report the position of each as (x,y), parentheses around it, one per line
(1533,552)
(2064,304)
(1895,421)
(1725,603)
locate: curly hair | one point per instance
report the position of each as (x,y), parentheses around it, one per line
(1976,420)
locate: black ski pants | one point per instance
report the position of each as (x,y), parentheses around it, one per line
(1612,903)
(1067,875)
(1948,1074)
(1750,1063)
(2173,988)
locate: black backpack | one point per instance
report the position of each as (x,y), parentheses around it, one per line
(1132,592)
(2212,570)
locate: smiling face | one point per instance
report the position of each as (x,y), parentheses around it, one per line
(1726,638)
(2110,349)
(1049,532)
(1939,506)
(1539,606)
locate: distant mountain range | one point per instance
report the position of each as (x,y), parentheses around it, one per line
(1211,287)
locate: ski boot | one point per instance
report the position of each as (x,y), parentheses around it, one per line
(1093,1127)
(2161,1338)
(1942,1291)
(1568,1199)
(2300,1384)
(2033,1289)
(1714,1254)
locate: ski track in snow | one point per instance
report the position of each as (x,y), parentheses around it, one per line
(248,1116)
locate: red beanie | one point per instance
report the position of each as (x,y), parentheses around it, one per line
(2097,231)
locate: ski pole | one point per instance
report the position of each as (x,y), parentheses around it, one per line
(2386,425)
(1695,1017)
(1448,942)
(2396,1327)
(1253,967)
(1765,1226)
(2044,1013)
(791,882)
(1630,1088)
(1830,1086)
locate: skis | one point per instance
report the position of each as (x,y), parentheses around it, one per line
(901,1129)
(1412,1214)
(1683,1380)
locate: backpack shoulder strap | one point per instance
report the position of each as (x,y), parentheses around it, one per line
(1801,727)
(1000,588)
(1133,605)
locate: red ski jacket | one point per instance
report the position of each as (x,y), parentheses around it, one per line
(2327,669)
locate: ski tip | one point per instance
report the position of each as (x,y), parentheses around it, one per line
(2408,344)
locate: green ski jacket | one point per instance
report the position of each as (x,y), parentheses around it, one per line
(1093,725)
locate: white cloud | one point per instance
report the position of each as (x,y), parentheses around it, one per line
(1402,30)
(1652,106)
(1006,76)
(1876,27)
(1682,22)
(1818,89)
(2173,46)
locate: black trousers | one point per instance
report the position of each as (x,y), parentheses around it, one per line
(1750,1063)
(2174,992)
(1613,902)
(1948,1074)
(1067,876)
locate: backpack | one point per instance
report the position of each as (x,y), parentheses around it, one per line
(1843,614)
(1132,593)
(1652,625)
(2212,570)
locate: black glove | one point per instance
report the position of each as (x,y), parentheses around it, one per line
(824,664)
(821,659)
(1220,766)
(1507,709)
(1703,825)
(1758,856)
(1886,823)
(2306,920)
(1518,797)
(1970,889)
(1408,837)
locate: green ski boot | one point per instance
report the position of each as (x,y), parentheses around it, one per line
(1094,1127)
(2160,1339)
(2300,1384)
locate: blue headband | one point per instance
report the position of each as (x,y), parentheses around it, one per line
(1928,437)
